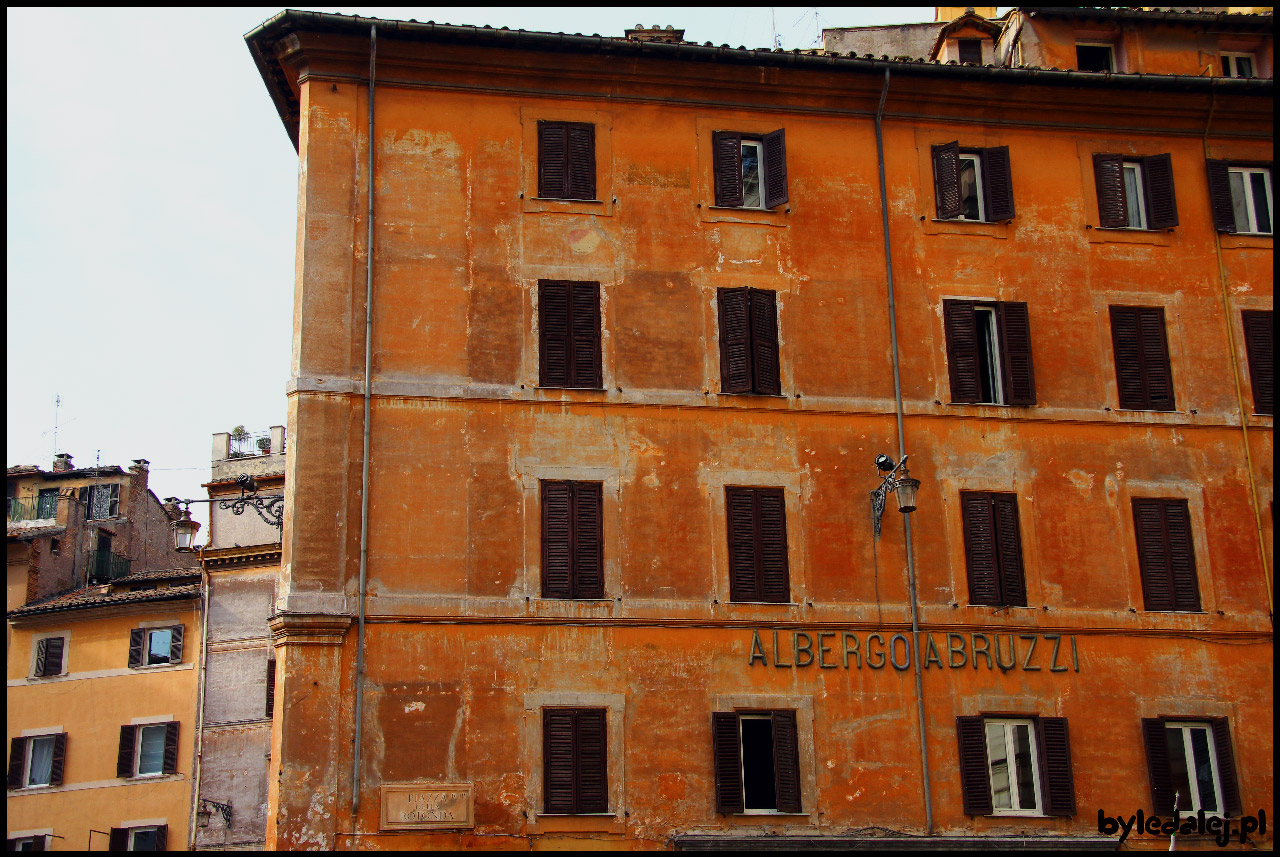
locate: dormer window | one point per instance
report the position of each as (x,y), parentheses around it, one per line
(1235,64)
(1095,56)
(969,50)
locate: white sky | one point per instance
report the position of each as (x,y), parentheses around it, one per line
(152,193)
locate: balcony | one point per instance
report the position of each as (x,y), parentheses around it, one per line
(105,566)
(33,508)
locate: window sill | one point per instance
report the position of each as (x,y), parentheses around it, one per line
(151,667)
(577,815)
(986,228)
(547,205)
(764,603)
(1109,235)
(1245,240)
(733,214)
(578,389)
(1016,813)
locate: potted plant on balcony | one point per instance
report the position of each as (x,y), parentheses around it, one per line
(264,445)
(239,437)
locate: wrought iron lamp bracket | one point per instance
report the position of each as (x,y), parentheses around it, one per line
(878,496)
(224,809)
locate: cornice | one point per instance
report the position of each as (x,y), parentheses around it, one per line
(222,559)
(308,629)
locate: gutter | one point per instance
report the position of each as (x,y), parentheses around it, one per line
(204,671)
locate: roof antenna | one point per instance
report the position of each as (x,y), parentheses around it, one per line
(97,462)
(57,403)
(773,16)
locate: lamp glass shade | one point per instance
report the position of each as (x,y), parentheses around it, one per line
(905,490)
(184,532)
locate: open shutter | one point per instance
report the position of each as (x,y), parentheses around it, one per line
(786,761)
(128,742)
(553,333)
(557,760)
(175,643)
(162,838)
(1108,178)
(582,160)
(726,151)
(771,560)
(775,169)
(1182,557)
(59,759)
(55,648)
(765,378)
(17,761)
(271,687)
(1126,344)
(119,840)
(1226,766)
(1055,766)
(980,548)
(744,583)
(974,785)
(588,551)
(1157,182)
(1157,746)
(553,160)
(1015,351)
(961,327)
(1155,358)
(557,500)
(1224,214)
(1153,558)
(946,180)
(38,843)
(584,330)
(1259,342)
(593,767)
(113,509)
(728,762)
(137,638)
(735,341)
(997,180)
(171,747)
(1013,587)
(42,657)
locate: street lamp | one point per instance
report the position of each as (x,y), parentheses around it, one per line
(904,488)
(269,509)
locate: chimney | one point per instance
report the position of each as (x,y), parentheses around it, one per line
(140,465)
(656,33)
(62,463)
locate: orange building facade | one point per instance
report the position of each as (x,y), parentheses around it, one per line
(632,358)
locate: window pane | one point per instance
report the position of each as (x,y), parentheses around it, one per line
(1178,768)
(1204,769)
(1244,67)
(1239,202)
(1261,211)
(158,645)
(41,761)
(47,504)
(998,760)
(759,783)
(151,750)
(1133,196)
(988,357)
(751,175)
(1022,759)
(969,188)
(144,840)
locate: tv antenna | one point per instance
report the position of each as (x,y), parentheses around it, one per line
(57,404)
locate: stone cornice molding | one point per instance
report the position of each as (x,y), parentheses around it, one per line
(308,629)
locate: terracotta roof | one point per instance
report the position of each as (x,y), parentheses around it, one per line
(86,597)
(32,529)
(158,574)
(29,469)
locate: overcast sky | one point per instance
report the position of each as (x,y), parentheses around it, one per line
(151,212)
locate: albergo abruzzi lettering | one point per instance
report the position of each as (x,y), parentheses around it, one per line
(834,649)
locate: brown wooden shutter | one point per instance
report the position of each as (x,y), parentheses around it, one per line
(42,657)
(980,548)
(38,843)
(1055,766)
(128,743)
(1157,746)
(175,643)
(1015,351)
(557,563)
(1155,358)
(735,341)
(997,180)
(582,160)
(946,181)
(592,766)
(1182,556)
(727,751)
(1143,375)
(765,378)
(775,169)
(1153,557)
(271,687)
(1108,178)
(171,748)
(54,650)
(726,150)
(1013,587)
(557,760)
(961,327)
(17,762)
(59,759)
(1231,802)
(786,761)
(744,580)
(119,839)
(974,784)
(1224,213)
(162,838)
(1259,342)
(588,540)
(584,333)
(553,160)
(1157,183)
(1128,355)
(771,545)
(137,639)
(553,333)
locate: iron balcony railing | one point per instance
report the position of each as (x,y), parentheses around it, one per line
(105,566)
(32,508)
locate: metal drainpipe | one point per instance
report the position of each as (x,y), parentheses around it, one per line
(902,450)
(364,467)
(1235,376)
(204,671)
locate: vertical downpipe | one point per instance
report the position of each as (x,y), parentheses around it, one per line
(364,467)
(902,450)
(205,585)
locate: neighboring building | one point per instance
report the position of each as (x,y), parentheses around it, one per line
(242,561)
(606,571)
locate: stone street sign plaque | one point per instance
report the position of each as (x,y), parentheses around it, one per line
(427,806)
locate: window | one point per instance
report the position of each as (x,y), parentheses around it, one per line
(103,501)
(149,838)
(148,750)
(29,843)
(49,657)
(47,503)
(1143,376)
(566,160)
(757,761)
(37,761)
(973,184)
(1166,555)
(750,171)
(993,549)
(1237,64)
(1259,338)
(569,334)
(989,352)
(149,647)
(1240,196)
(574,761)
(1192,760)
(1095,57)
(1015,766)
(757,519)
(572,539)
(749,342)
(970,50)
(1135,193)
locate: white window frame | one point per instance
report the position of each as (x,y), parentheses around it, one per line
(113,500)
(137,748)
(146,647)
(29,754)
(742,762)
(988,319)
(133,831)
(1232,61)
(19,841)
(977,180)
(35,650)
(1185,727)
(1136,202)
(758,145)
(1009,724)
(1251,210)
(1108,45)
